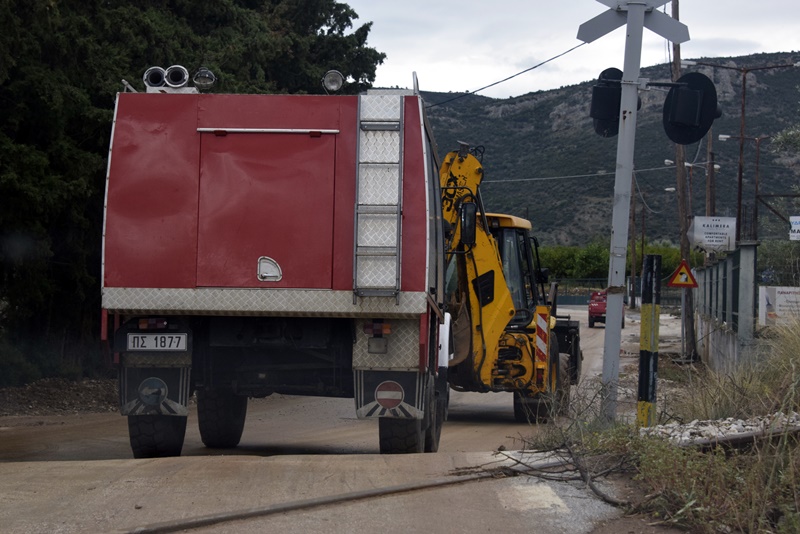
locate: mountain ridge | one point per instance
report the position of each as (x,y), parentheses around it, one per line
(544,162)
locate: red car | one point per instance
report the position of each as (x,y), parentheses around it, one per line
(597,309)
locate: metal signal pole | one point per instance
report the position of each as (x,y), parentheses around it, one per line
(635,15)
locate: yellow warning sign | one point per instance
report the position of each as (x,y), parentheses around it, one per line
(682,277)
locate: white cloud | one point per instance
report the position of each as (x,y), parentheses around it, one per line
(458,45)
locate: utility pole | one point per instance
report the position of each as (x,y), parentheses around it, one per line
(687,312)
(711,186)
(632,303)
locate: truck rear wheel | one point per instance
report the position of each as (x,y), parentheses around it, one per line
(438,411)
(220,416)
(401,436)
(156,436)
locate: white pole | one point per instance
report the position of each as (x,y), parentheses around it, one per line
(622,206)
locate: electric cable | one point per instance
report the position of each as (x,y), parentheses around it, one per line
(508,78)
(540,179)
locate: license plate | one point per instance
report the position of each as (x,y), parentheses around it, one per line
(157,342)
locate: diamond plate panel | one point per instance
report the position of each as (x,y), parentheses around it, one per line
(377,230)
(378,184)
(379,146)
(380,107)
(157,360)
(264,302)
(377,272)
(403,347)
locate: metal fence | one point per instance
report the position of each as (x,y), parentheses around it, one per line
(726,308)
(718,294)
(576,291)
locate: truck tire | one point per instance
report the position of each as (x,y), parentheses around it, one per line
(156,436)
(531,410)
(563,386)
(438,416)
(591,322)
(400,436)
(220,417)
(575,367)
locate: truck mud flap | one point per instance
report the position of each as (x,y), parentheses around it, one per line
(395,394)
(154,391)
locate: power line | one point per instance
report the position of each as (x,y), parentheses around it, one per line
(506,79)
(544,178)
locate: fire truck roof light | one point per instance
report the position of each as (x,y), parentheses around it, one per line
(204,78)
(332,81)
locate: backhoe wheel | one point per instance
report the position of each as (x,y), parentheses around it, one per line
(531,410)
(156,436)
(563,385)
(220,416)
(400,436)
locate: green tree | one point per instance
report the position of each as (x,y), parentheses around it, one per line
(559,260)
(592,260)
(61,63)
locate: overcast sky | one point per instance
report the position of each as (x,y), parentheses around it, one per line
(462,45)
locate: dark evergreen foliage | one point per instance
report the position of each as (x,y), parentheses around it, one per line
(61,64)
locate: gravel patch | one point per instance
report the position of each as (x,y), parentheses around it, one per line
(721,430)
(59,396)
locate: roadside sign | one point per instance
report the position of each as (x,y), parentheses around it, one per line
(717,234)
(682,277)
(794,231)
(389,394)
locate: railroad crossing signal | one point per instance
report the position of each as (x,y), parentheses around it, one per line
(690,108)
(616,17)
(637,15)
(606,100)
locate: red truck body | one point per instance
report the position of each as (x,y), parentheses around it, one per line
(273,243)
(190,209)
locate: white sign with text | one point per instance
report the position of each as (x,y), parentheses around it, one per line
(717,234)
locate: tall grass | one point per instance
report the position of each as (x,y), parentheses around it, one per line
(752,490)
(746,490)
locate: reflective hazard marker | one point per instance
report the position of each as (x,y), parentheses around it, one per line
(648,340)
(389,394)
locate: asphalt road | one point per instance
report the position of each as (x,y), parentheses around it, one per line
(298,457)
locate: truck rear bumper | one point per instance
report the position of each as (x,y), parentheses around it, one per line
(265,302)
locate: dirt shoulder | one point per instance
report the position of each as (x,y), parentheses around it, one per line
(59,396)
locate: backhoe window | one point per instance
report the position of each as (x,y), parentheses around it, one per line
(516,269)
(511,268)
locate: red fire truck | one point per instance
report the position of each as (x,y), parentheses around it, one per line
(259,244)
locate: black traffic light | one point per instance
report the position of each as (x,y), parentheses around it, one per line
(606,97)
(690,108)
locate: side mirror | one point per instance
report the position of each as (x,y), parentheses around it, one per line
(543,275)
(469,222)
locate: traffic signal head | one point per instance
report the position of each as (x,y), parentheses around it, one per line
(606,97)
(690,108)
